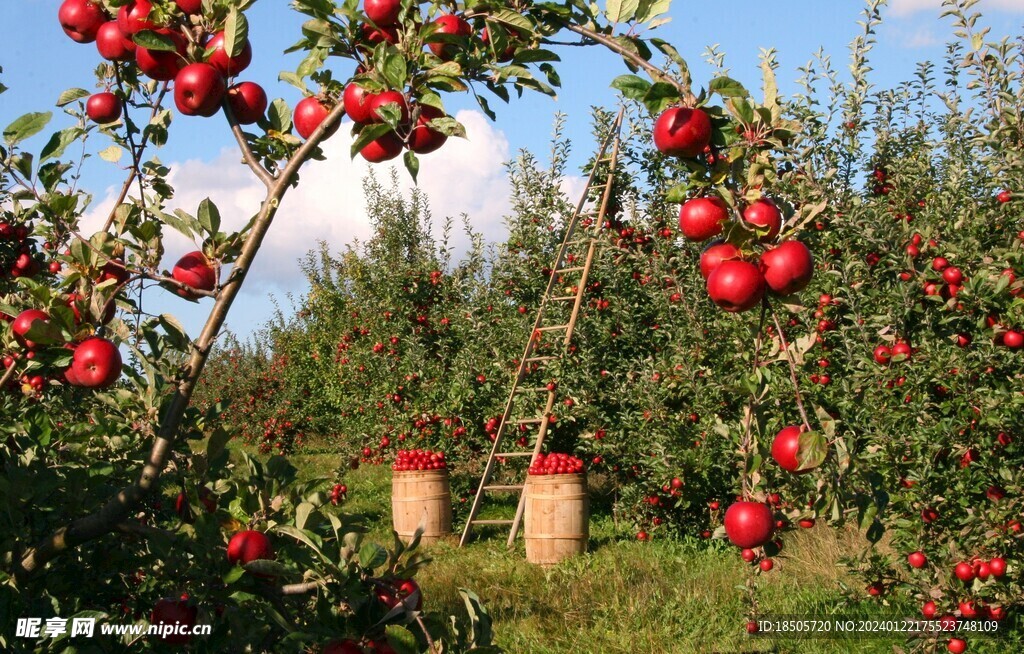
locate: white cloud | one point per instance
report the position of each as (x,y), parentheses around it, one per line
(907,7)
(922,37)
(465,176)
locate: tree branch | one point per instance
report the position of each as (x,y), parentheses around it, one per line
(243,145)
(120,506)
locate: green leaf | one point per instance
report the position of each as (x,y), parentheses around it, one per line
(372,555)
(112,154)
(412,164)
(370,133)
(280,116)
(150,40)
(649,9)
(678,193)
(25,126)
(58,143)
(236,32)
(394,69)
(401,640)
(218,441)
(633,87)
(621,11)
(209,216)
(812,450)
(512,19)
(529,56)
(175,331)
(70,95)
(727,88)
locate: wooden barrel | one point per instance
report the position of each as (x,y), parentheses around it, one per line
(557,517)
(421,496)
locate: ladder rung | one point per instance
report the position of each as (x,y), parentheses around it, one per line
(530,421)
(563,298)
(514,454)
(538,359)
(504,487)
(536,389)
(573,269)
(492,522)
(552,328)
(581,241)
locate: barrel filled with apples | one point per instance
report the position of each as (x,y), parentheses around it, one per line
(557,510)
(421,494)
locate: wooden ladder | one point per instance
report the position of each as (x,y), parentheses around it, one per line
(602,175)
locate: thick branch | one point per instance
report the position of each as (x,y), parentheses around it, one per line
(119,508)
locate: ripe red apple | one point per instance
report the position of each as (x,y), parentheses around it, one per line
(929,609)
(964,572)
(247,546)
(357,103)
(388,97)
(424,139)
(714,255)
(191,7)
(807,523)
(172,611)
(901,351)
(395,591)
(385,148)
(96,363)
(112,44)
(23,322)
(748,555)
(749,524)
(195,270)
(703,218)
(1004,196)
(736,285)
(952,275)
(162,65)
(343,647)
(956,645)
(917,559)
(788,268)
(248,102)
(383,13)
(451,25)
(766,565)
(182,508)
(764,213)
(134,17)
(682,132)
(883,355)
(309,113)
(103,108)
(786,450)
(199,90)
(219,59)
(81,19)
(997,566)
(929,515)
(939,264)
(1013,339)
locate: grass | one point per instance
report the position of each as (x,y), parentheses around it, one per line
(623,595)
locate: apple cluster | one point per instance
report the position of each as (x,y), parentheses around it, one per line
(338,492)
(418,459)
(198,62)
(556,463)
(734,281)
(18,254)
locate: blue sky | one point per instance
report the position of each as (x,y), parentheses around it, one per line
(39,62)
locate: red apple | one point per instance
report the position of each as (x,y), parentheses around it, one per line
(786,450)
(997,566)
(343,647)
(81,19)
(112,44)
(199,90)
(917,559)
(103,108)
(247,546)
(309,113)
(228,66)
(385,148)
(736,285)
(383,13)
(374,36)
(883,355)
(195,270)
(787,268)
(703,218)
(170,611)
(1013,339)
(114,270)
(682,132)
(929,609)
(162,65)
(424,139)
(952,275)
(956,645)
(357,103)
(96,363)
(764,213)
(191,7)
(1004,196)
(749,524)
(901,351)
(451,25)
(388,97)
(714,255)
(939,264)
(24,322)
(964,572)
(248,102)
(134,17)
